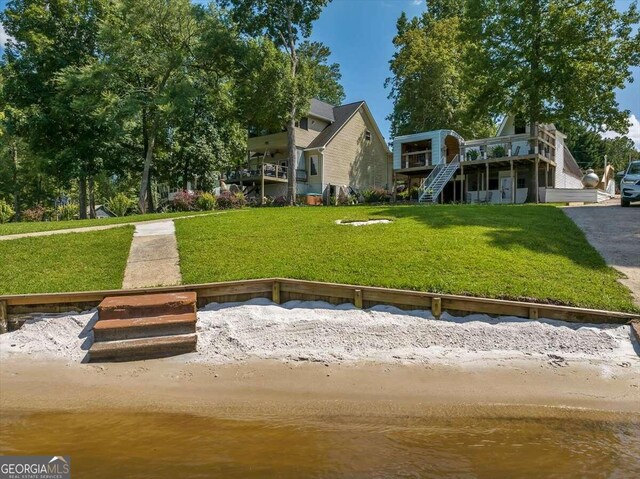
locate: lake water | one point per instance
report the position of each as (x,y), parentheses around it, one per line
(115,444)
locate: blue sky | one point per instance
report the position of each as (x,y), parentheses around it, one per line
(359,33)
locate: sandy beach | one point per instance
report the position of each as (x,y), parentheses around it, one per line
(259,358)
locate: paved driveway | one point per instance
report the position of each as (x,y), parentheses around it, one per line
(615,232)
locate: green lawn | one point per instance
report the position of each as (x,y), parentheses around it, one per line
(516,252)
(68,262)
(15,228)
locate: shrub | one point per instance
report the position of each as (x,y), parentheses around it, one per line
(184,201)
(37,213)
(120,204)
(67,212)
(206,202)
(472,155)
(6,212)
(228,200)
(375,195)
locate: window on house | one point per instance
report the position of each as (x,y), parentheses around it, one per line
(521,183)
(367,135)
(304,123)
(493,184)
(519,126)
(313,166)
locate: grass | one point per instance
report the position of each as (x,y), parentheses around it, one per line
(16,228)
(516,252)
(69,262)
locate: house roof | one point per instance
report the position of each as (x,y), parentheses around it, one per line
(341,114)
(321,110)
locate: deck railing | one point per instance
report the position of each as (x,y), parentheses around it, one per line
(512,146)
(271,170)
(417,159)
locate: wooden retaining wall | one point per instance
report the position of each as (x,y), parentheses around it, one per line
(14,308)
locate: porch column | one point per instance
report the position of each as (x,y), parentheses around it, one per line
(462,184)
(487,180)
(536,180)
(546,176)
(478,184)
(454,189)
(262,182)
(513,183)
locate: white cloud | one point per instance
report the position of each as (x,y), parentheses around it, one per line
(634,131)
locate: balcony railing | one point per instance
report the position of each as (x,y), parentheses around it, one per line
(416,159)
(511,146)
(268,170)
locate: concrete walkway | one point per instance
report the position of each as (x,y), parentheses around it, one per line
(86,229)
(615,232)
(153,257)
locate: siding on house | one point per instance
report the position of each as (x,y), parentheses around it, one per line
(350,159)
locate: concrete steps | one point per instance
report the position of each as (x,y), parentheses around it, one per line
(144,327)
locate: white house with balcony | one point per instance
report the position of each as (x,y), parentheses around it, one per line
(515,166)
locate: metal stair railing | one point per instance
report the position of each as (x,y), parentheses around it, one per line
(433,185)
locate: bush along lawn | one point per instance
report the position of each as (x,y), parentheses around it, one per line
(67,262)
(525,252)
(31,227)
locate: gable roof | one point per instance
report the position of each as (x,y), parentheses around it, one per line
(322,110)
(342,114)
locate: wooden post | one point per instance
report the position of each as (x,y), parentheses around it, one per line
(546,176)
(454,190)
(536,180)
(262,183)
(436,307)
(275,292)
(357,298)
(4,317)
(487,182)
(533,313)
(463,197)
(513,183)
(478,185)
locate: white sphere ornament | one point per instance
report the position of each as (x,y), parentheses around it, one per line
(590,179)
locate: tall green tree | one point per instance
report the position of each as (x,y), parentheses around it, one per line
(324,76)
(147,51)
(48,37)
(285,23)
(429,87)
(553,60)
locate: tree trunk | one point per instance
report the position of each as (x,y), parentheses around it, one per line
(535,104)
(16,187)
(291,173)
(92,199)
(150,206)
(144,183)
(291,132)
(185,173)
(82,197)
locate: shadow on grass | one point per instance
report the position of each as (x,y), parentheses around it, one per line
(539,228)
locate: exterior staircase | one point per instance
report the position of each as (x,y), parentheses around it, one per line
(433,184)
(144,327)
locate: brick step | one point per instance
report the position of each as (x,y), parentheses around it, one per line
(143,348)
(146,305)
(167,325)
